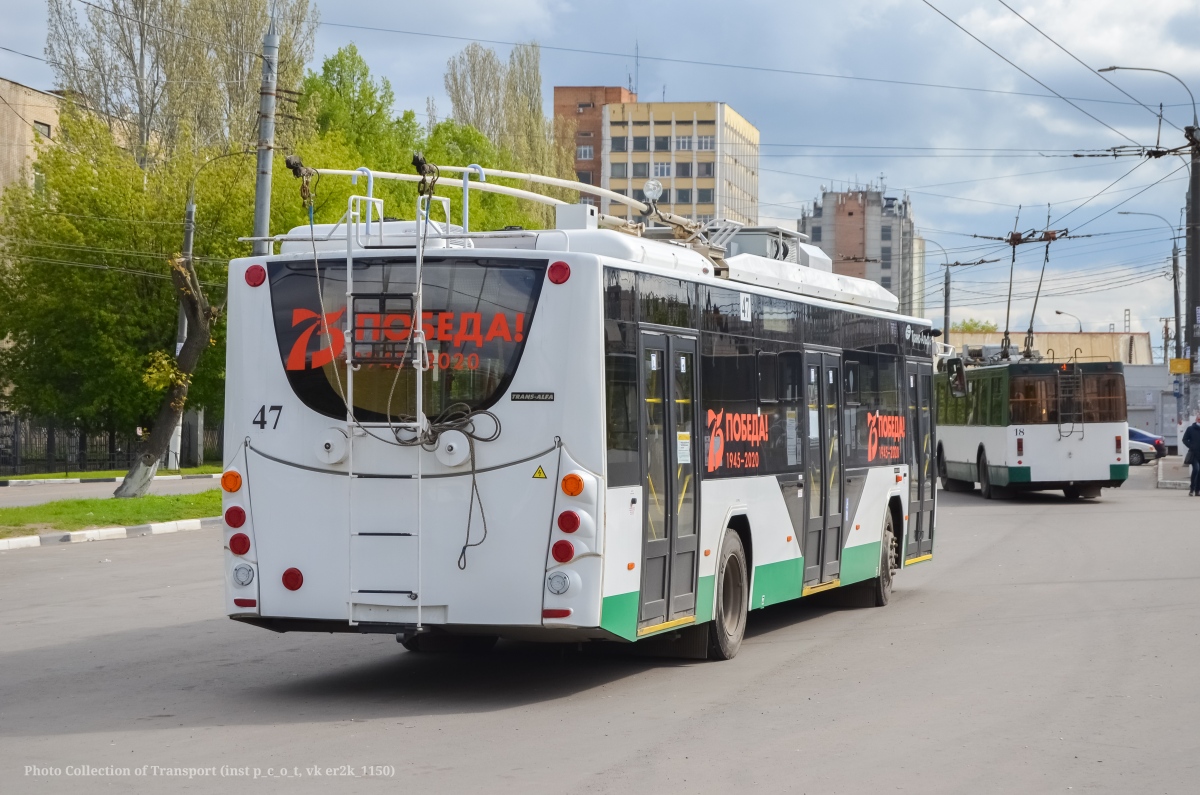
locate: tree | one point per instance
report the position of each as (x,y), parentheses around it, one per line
(974,326)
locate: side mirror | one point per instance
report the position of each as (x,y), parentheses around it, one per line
(958,377)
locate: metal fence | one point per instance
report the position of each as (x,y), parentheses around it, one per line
(32,447)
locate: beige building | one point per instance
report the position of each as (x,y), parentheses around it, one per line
(26,115)
(1090,346)
(704,154)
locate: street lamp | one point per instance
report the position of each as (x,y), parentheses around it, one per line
(1068,314)
(1174,274)
(1161,72)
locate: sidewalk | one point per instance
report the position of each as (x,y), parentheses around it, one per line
(85,479)
(108,533)
(1172,474)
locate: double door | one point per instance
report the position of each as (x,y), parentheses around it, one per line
(919,384)
(667,382)
(824,498)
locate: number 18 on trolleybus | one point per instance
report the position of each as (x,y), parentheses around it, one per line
(600,431)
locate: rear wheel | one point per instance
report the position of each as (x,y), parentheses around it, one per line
(949,483)
(1136,458)
(887,563)
(732,600)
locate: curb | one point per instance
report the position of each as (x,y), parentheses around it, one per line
(72,481)
(108,533)
(1170,484)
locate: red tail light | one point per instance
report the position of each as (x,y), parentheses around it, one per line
(1020,447)
(235,516)
(559,272)
(239,543)
(556,612)
(562,551)
(246,602)
(256,275)
(1118,444)
(293,579)
(568,521)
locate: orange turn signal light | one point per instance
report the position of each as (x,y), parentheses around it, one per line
(630,567)
(572,485)
(231,481)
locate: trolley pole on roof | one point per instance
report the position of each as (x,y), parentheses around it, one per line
(266,140)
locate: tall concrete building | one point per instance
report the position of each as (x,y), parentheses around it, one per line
(705,154)
(871,236)
(25,116)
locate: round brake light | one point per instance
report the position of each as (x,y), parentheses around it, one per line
(572,485)
(235,516)
(239,543)
(568,521)
(559,272)
(293,579)
(256,275)
(563,551)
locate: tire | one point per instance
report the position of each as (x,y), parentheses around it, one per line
(949,483)
(887,563)
(986,489)
(1136,458)
(731,602)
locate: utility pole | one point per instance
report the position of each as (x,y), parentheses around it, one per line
(1166,321)
(175,448)
(266,140)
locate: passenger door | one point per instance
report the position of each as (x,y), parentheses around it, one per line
(667,376)
(823,534)
(920,443)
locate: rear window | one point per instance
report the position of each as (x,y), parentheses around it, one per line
(477,315)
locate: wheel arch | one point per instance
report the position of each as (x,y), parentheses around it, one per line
(896,509)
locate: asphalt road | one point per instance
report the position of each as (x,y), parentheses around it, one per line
(1048,647)
(11,496)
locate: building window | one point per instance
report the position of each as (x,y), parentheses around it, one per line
(706,143)
(42,128)
(584,134)
(584,177)
(585,152)
(816,234)
(641,143)
(582,106)
(816,211)
(620,170)
(641,170)
(620,191)
(666,196)
(704,196)
(683,196)
(705,169)
(683,170)
(588,200)
(885,282)
(662,143)
(885,233)
(885,257)
(620,144)
(639,195)
(683,143)
(704,218)
(662,169)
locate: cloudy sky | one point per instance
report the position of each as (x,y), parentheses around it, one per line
(831,88)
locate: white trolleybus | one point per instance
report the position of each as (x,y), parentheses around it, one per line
(1031,425)
(563,435)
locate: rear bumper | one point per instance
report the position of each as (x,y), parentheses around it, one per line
(546,634)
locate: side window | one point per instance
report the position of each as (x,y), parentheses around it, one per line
(621,404)
(768,387)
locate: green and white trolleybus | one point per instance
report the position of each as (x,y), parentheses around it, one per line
(561,435)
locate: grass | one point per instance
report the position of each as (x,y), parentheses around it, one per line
(85,514)
(208,469)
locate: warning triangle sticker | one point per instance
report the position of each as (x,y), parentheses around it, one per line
(541,473)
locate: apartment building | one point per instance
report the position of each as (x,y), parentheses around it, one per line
(705,154)
(871,236)
(27,115)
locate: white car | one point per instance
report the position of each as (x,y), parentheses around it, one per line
(1140,453)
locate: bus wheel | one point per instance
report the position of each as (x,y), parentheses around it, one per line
(732,600)
(887,562)
(985,479)
(949,483)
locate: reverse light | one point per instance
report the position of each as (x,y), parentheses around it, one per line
(559,272)
(256,275)
(568,521)
(1118,444)
(239,543)
(231,481)
(562,551)
(1020,447)
(243,574)
(235,516)
(293,579)
(558,583)
(556,612)
(572,485)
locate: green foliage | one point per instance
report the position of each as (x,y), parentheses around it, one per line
(974,326)
(69,515)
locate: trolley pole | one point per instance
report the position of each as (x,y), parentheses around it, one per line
(266,140)
(1191,321)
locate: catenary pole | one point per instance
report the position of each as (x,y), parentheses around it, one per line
(266,141)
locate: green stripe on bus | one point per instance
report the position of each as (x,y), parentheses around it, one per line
(705,589)
(1118,471)
(1019,475)
(777,582)
(860,563)
(618,614)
